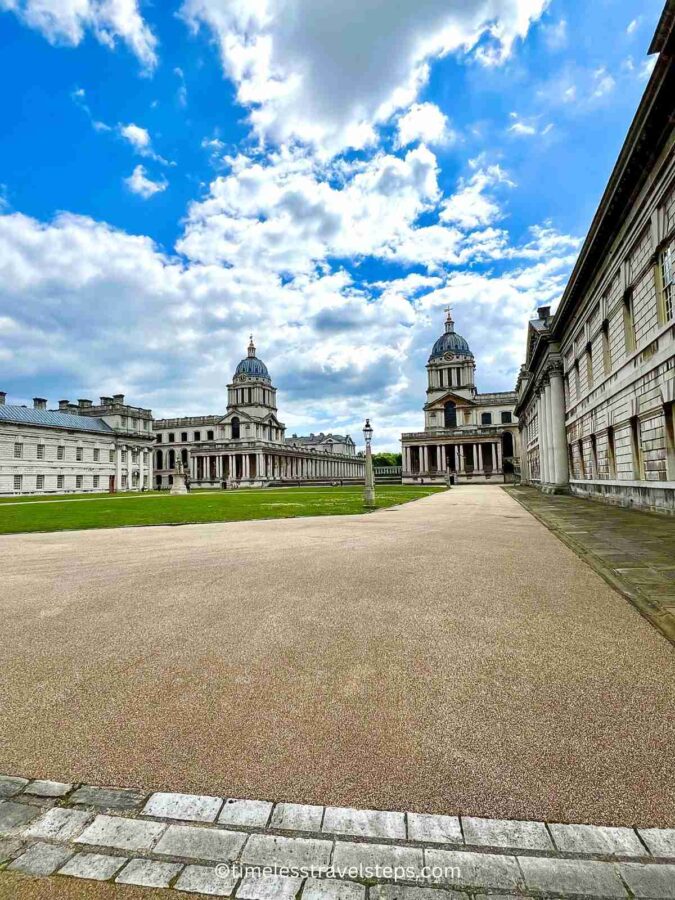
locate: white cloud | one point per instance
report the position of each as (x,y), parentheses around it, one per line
(169,334)
(528,127)
(67,21)
(556,34)
(139,183)
(647,68)
(633,25)
(604,82)
(423,122)
(470,207)
(138,137)
(300,66)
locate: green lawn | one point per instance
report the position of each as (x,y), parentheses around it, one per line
(62,514)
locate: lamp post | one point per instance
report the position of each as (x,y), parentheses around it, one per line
(369,492)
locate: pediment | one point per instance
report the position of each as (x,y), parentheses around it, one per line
(457,399)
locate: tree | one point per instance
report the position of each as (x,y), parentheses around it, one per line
(386,459)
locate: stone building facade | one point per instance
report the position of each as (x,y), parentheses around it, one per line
(467,435)
(596,396)
(247,446)
(78,448)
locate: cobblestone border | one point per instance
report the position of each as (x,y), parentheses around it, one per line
(284,851)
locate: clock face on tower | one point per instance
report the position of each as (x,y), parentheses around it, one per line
(449,356)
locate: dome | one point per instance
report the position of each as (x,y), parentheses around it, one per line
(450,342)
(251,366)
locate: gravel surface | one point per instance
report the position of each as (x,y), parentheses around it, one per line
(446,656)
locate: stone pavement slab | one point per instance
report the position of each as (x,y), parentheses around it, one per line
(572,876)
(108,798)
(597,839)
(148,873)
(13,816)
(660,841)
(488,871)
(331,889)
(297,817)
(245,812)
(270,850)
(434,829)
(96,866)
(42,788)
(201,843)
(59,824)
(123,834)
(9,785)
(204,880)
(41,859)
(506,833)
(188,807)
(269,887)
(364,823)
(654,882)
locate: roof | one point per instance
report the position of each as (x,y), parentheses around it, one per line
(320,438)
(664,28)
(252,366)
(23,415)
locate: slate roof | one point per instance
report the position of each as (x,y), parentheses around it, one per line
(24,415)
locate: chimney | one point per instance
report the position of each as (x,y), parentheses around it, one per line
(64,404)
(106,401)
(39,403)
(84,404)
(3,395)
(118,398)
(544,312)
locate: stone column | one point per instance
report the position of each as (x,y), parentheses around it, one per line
(460,453)
(479,448)
(118,468)
(141,467)
(246,473)
(498,457)
(151,470)
(550,455)
(559,432)
(543,448)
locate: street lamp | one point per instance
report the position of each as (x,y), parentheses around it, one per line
(369,492)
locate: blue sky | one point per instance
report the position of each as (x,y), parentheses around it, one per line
(329,176)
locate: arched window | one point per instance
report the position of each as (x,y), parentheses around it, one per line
(160,459)
(235,428)
(450,414)
(172,459)
(184,456)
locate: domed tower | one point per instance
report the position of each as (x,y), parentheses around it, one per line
(450,372)
(252,402)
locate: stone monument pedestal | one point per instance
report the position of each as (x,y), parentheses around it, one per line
(178,486)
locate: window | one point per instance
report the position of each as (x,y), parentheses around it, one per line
(611,453)
(198,435)
(636,447)
(40,451)
(594,456)
(123,421)
(124,455)
(589,364)
(61,452)
(18,481)
(236,429)
(97,480)
(450,414)
(669,414)
(18,451)
(97,455)
(125,482)
(628,324)
(209,435)
(39,482)
(184,437)
(577,379)
(582,463)
(506,418)
(172,437)
(78,481)
(486,418)
(606,355)
(79,454)
(159,438)
(668,281)
(159,460)
(60,482)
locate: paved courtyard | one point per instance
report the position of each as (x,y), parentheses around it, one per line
(448,656)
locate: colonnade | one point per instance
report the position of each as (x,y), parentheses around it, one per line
(553,459)
(476,458)
(259,465)
(135,464)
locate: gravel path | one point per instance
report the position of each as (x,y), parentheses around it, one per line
(446,656)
